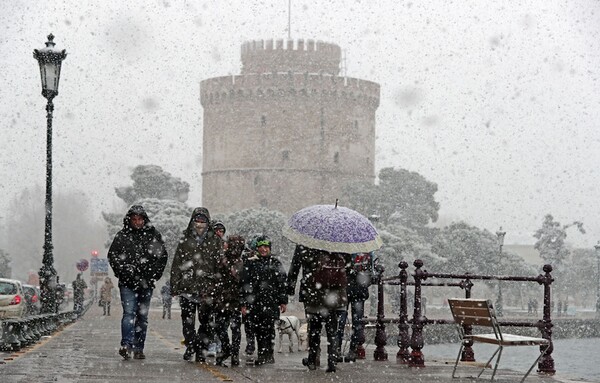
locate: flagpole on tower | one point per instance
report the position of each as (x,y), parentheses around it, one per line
(289,19)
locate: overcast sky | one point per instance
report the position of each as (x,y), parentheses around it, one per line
(498,102)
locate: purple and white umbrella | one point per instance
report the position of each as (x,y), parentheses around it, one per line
(332,228)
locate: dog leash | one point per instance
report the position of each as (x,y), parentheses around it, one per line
(290,326)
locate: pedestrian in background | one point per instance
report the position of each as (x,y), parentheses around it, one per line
(195,279)
(79,287)
(106,295)
(167,299)
(263,297)
(138,258)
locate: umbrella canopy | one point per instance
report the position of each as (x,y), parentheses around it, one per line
(332,228)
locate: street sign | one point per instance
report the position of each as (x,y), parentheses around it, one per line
(82,265)
(99,266)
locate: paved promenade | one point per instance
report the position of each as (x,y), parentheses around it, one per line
(86,351)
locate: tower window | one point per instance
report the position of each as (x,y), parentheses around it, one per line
(263,121)
(336,157)
(285,155)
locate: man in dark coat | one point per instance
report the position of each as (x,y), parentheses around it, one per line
(138,258)
(263,297)
(195,278)
(323,305)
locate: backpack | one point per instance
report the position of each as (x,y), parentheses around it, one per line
(330,272)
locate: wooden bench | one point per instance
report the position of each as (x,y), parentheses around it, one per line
(480,312)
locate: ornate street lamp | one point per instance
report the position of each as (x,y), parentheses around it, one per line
(50,60)
(597,247)
(500,234)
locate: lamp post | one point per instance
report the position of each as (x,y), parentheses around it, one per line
(500,234)
(50,60)
(597,247)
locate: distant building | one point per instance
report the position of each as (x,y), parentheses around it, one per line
(288,131)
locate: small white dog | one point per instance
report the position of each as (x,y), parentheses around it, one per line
(288,325)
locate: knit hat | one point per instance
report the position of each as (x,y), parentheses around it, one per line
(263,240)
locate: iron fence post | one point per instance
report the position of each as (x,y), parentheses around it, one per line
(416,340)
(403,355)
(546,363)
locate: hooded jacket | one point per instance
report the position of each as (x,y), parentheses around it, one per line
(137,256)
(195,268)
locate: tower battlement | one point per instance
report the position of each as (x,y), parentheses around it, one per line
(297,56)
(241,87)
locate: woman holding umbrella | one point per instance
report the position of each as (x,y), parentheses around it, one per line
(327,235)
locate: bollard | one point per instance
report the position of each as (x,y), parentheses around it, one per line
(10,340)
(20,332)
(403,355)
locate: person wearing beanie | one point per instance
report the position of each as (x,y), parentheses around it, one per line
(263,297)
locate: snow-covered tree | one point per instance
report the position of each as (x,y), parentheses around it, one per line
(401,196)
(5,269)
(404,244)
(468,249)
(151,181)
(551,240)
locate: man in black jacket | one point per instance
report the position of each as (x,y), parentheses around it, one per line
(138,258)
(263,297)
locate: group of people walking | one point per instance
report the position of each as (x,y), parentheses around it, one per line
(224,283)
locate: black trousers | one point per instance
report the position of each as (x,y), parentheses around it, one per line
(315,324)
(225,319)
(201,338)
(262,324)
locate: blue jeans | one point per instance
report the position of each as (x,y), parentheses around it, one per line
(358,327)
(134,324)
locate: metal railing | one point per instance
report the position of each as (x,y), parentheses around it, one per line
(415,341)
(18,333)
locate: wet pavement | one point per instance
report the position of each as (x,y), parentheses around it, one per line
(86,351)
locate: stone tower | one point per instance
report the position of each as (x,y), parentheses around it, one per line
(287,132)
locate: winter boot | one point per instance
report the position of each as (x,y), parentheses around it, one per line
(125,353)
(309,363)
(226,353)
(330,366)
(235,359)
(189,351)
